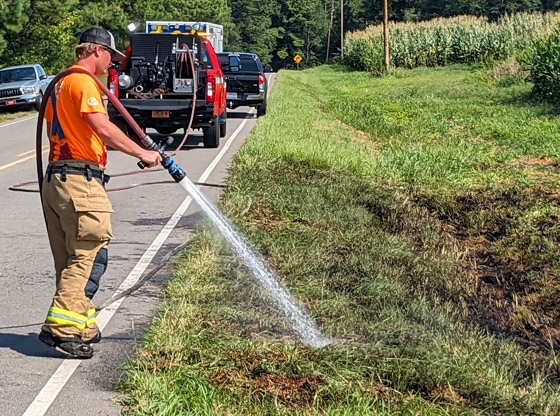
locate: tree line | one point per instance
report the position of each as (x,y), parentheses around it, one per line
(45,31)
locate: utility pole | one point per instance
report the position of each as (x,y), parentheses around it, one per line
(386,35)
(342,29)
(329,35)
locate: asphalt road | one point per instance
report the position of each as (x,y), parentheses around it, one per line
(35,379)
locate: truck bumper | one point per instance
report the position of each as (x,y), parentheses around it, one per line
(244,99)
(20,100)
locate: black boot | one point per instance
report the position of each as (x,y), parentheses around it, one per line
(96,338)
(73,345)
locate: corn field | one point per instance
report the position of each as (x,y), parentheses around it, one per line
(439,42)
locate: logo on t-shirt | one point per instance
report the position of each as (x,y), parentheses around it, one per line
(92,101)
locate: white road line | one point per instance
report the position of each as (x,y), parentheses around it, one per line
(19,120)
(50,391)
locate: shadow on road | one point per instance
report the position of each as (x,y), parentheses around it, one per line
(238,114)
(28,345)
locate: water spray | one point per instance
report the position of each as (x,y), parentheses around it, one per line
(301,322)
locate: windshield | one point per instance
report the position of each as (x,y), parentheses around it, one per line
(18,74)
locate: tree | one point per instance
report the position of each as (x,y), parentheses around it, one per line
(13,15)
(253,27)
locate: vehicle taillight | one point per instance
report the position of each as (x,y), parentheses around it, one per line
(262,79)
(210,85)
(113,82)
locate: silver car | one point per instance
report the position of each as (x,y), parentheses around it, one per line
(23,85)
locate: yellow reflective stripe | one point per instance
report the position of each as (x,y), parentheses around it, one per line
(64,317)
(68,314)
(91,317)
(63,321)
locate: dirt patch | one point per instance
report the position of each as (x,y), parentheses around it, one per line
(288,389)
(264,217)
(542,169)
(247,373)
(447,394)
(533,161)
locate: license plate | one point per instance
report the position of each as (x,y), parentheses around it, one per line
(11,102)
(160,113)
(231,95)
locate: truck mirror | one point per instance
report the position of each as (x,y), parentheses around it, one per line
(43,77)
(267,68)
(234,64)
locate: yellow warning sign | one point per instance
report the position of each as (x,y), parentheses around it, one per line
(297,58)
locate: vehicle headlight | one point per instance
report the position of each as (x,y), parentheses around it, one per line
(28,90)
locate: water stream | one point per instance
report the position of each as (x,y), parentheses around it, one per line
(301,322)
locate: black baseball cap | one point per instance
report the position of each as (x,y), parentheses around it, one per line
(102,37)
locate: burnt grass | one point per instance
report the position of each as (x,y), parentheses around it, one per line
(511,265)
(502,261)
(514,262)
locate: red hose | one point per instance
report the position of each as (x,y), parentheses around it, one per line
(39,134)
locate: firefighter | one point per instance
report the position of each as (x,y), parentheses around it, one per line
(76,208)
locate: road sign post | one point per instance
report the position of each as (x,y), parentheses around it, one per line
(298,59)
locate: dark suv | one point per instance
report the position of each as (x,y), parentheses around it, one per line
(245,79)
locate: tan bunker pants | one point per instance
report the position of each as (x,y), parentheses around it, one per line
(78,213)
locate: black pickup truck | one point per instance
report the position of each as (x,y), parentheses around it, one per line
(245,79)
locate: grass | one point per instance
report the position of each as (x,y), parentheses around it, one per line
(13,115)
(415,217)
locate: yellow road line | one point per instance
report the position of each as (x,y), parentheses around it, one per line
(31,151)
(9,165)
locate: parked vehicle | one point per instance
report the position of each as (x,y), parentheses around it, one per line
(23,86)
(245,79)
(156,83)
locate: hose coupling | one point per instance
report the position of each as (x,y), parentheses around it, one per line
(175,171)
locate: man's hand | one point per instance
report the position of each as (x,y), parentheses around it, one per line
(150,158)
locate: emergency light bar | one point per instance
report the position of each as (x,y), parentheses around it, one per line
(211,31)
(169,28)
(177,27)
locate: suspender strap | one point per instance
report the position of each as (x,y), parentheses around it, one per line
(88,173)
(63,173)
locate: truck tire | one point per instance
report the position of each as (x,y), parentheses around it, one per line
(38,103)
(211,135)
(223,124)
(261,109)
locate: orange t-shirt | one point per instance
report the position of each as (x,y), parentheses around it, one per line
(71,137)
